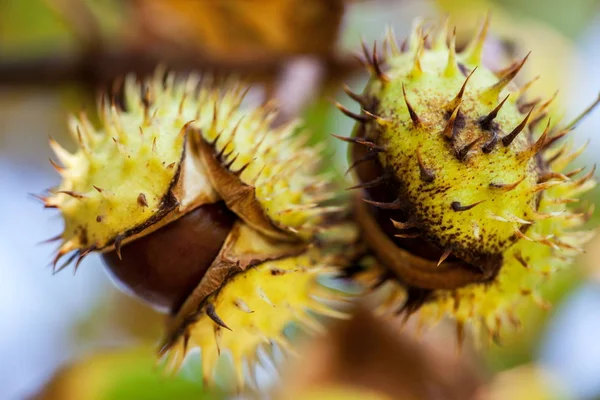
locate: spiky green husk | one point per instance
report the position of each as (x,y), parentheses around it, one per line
(138,171)
(453,167)
(473,175)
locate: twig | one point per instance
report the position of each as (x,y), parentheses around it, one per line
(99,68)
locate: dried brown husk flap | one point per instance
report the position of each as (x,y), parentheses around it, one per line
(411,269)
(243,249)
(239,197)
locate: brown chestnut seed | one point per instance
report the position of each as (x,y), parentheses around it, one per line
(165,266)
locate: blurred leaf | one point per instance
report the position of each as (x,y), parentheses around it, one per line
(28,27)
(243,29)
(372,355)
(552,52)
(121,375)
(569,17)
(527,382)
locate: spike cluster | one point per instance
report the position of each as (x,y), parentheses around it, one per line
(459,187)
(202,209)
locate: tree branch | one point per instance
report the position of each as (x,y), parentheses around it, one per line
(100,68)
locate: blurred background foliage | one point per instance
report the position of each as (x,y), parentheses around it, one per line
(76,337)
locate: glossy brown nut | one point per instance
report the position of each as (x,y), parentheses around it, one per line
(164,267)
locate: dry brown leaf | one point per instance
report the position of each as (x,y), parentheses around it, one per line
(369,353)
(236,30)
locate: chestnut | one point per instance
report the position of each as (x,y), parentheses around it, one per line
(163,267)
